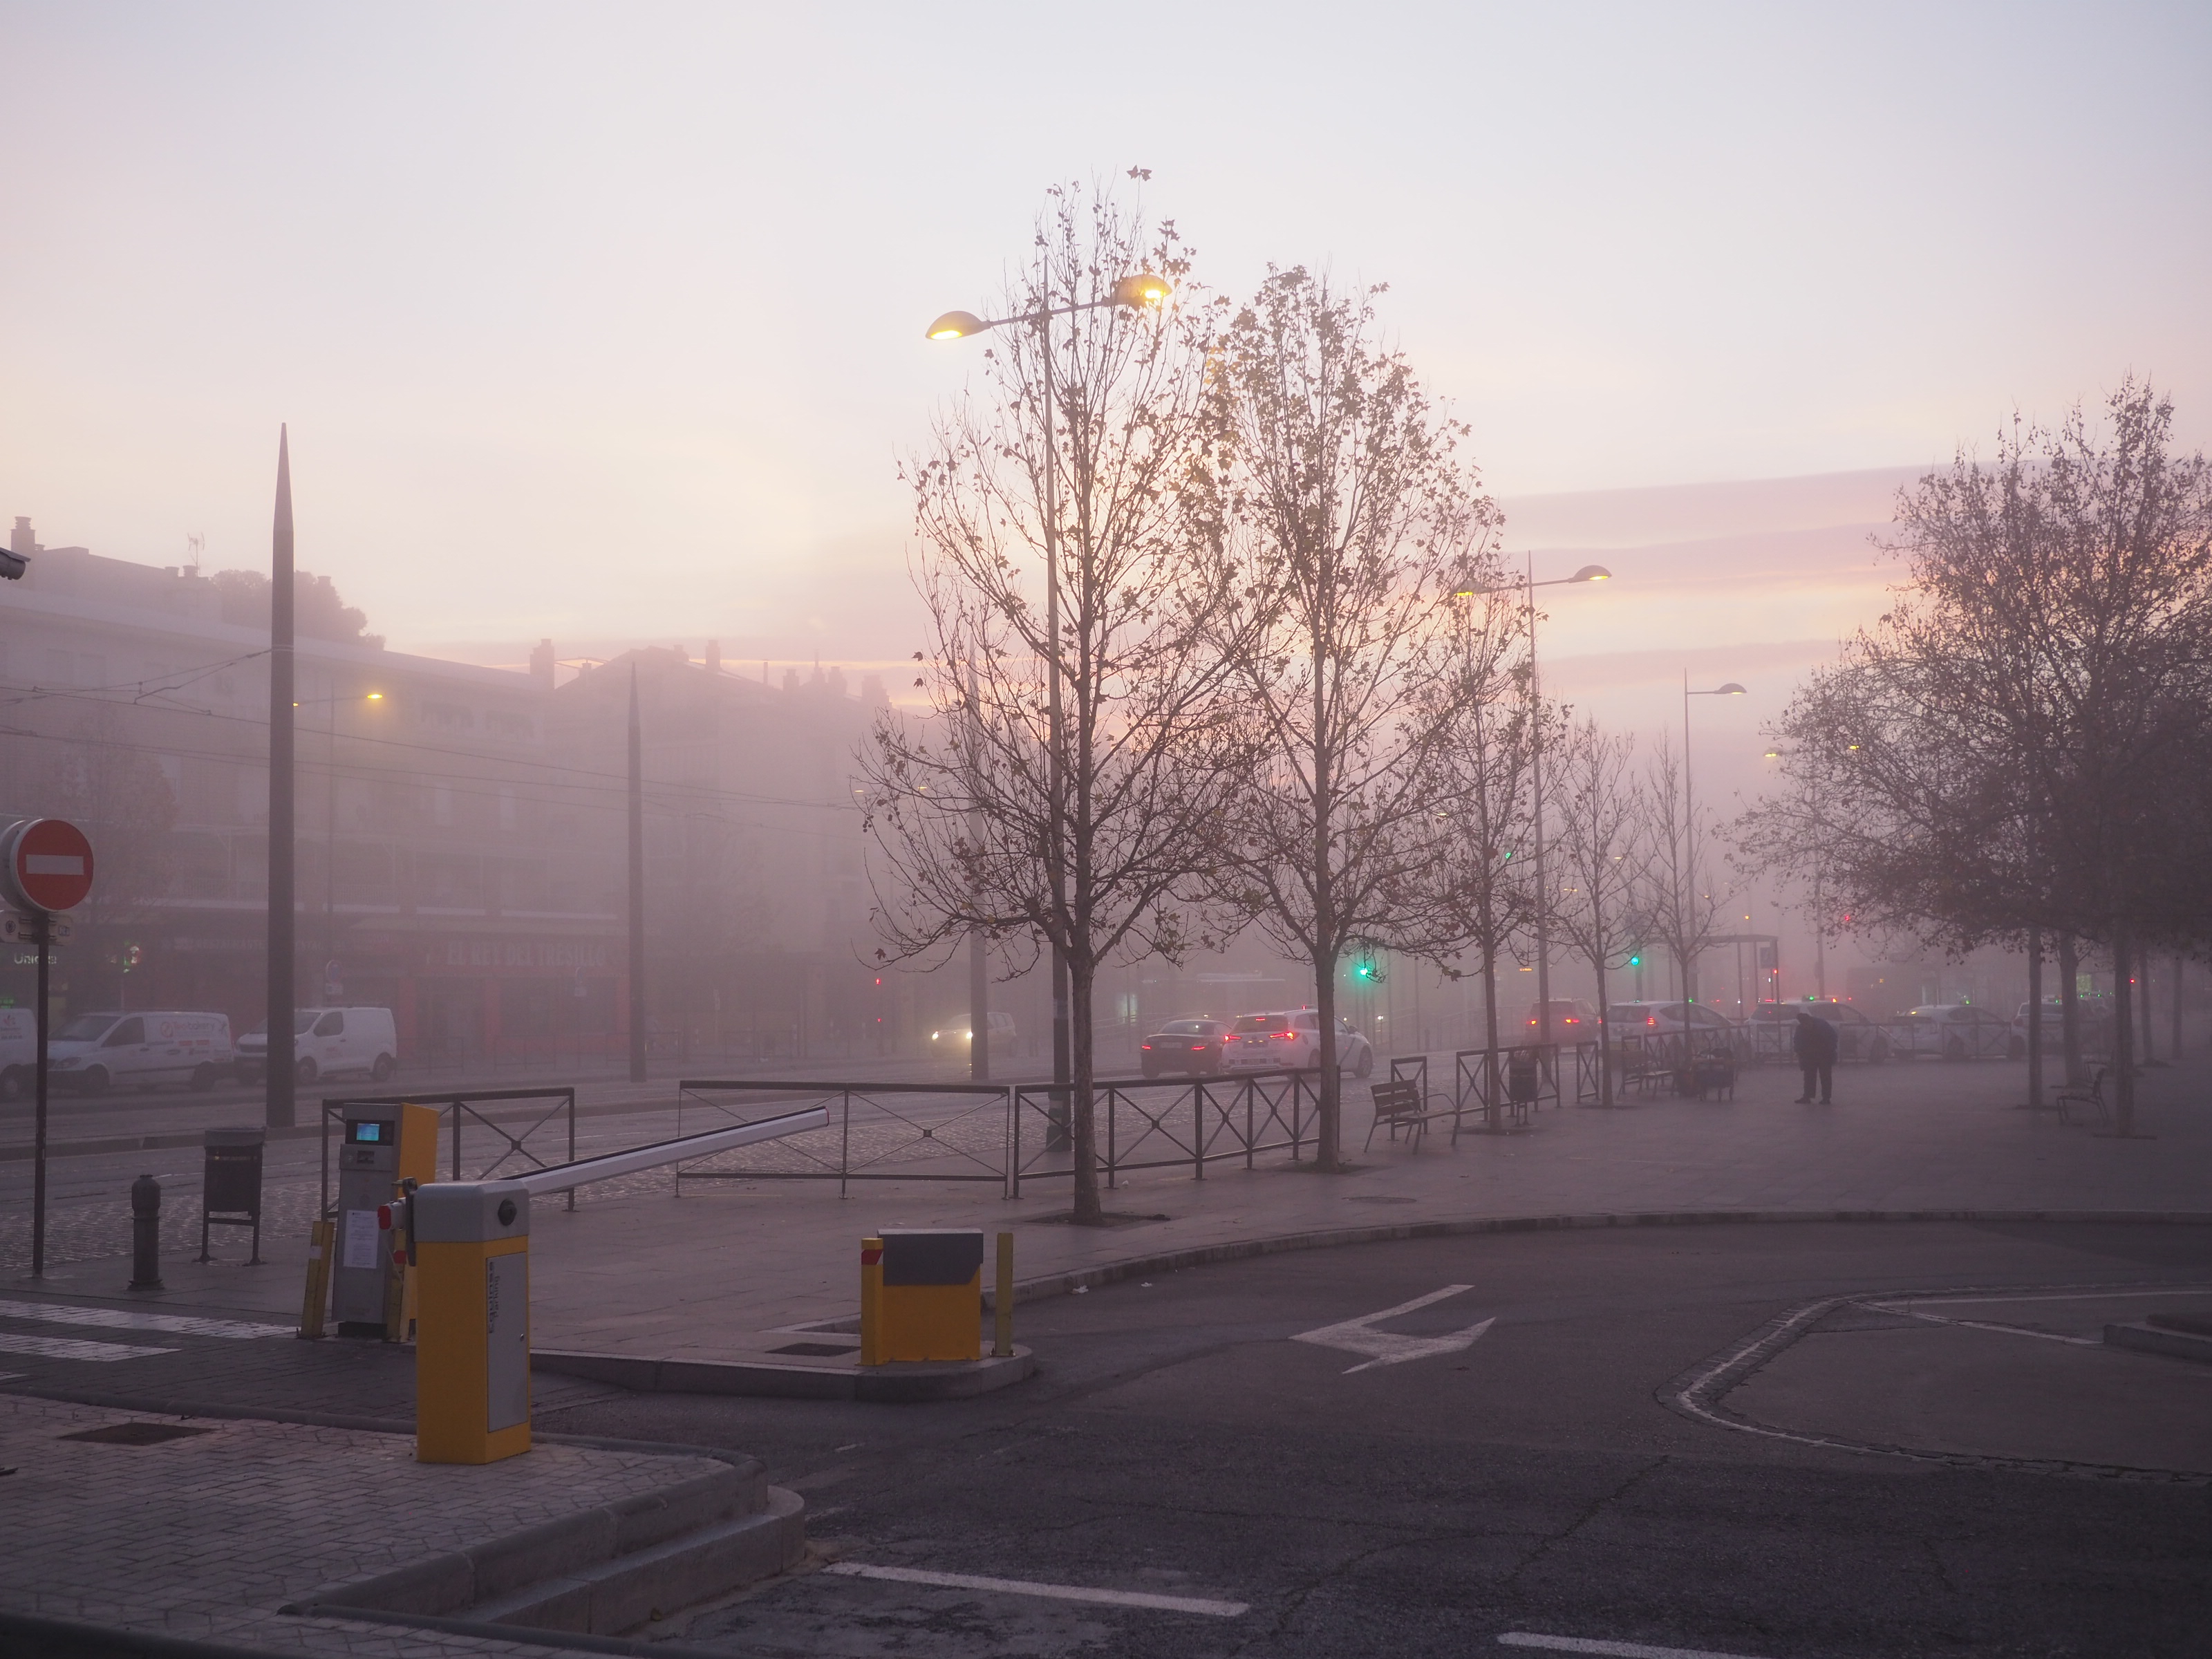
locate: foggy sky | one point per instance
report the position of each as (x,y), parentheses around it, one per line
(604,322)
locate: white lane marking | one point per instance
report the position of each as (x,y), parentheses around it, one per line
(67,1347)
(134,1319)
(1522,1639)
(1983,1325)
(1388,1348)
(1055,1592)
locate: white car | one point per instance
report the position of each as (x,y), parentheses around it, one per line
(327,1042)
(92,1053)
(1951,1030)
(1290,1040)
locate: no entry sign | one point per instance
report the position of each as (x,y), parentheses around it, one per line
(46,864)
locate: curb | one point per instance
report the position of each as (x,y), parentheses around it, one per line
(902,1384)
(1335,1237)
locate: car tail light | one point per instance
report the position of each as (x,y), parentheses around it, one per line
(1198,1048)
(1147,1047)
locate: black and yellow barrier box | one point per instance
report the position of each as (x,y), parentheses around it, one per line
(471,1243)
(922,1295)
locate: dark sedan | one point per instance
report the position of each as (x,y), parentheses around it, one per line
(1185,1045)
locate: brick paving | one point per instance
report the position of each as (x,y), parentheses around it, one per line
(205,1537)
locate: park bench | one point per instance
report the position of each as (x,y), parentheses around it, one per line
(2091,1099)
(1398,1102)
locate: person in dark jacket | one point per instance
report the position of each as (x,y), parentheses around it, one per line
(1814,1041)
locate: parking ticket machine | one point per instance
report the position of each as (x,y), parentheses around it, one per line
(381,1144)
(472,1343)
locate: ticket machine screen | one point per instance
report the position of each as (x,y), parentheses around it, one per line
(370,1134)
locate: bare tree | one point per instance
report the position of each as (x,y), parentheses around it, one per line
(1061,784)
(1352,519)
(1599,857)
(2023,742)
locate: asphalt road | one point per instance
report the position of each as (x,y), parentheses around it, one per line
(1532,1480)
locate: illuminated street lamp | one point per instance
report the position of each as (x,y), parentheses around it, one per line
(1528,586)
(1136,292)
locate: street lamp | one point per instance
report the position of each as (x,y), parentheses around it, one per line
(1134,291)
(1690,838)
(1528,586)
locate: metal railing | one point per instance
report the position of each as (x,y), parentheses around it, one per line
(459,1108)
(876,1131)
(1145,1123)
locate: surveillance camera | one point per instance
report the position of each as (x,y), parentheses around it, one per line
(13,565)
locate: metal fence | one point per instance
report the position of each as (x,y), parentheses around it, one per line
(1164,1123)
(876,1131)
(459,1109)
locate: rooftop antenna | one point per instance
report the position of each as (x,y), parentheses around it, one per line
(195,551)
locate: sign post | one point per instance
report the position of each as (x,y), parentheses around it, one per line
(45,865)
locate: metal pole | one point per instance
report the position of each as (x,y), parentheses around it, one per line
(1689,859)
(979,977)
(636,887)
(1536,788)
(279,1093)
(45,926)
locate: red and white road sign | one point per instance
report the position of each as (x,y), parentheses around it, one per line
(47,864)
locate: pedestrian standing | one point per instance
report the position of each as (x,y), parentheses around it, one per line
(1815,1043)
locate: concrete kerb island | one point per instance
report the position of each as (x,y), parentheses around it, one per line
(283,1527)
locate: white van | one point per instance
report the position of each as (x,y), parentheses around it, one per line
(92,1052)
(19,1052)
(328,1043)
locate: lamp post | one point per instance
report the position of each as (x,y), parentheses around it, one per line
(1527,587)
(330,822)
(1690,842)
(1136,292)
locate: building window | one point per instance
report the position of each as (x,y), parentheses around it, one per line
(441,806)
(508,816)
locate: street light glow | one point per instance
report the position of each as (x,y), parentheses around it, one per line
(957,324)
(1591,572)
(1142,289)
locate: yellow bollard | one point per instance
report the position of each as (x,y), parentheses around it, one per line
(321,1235)
(1002,1303)
(872,1300)
(928,1296)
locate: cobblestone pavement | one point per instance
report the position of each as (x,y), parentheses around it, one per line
(207,1535)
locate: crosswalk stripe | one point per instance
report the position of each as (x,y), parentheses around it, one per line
(68,1348)
(136,1319)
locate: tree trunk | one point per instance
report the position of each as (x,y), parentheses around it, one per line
(2143,995)
(1327,1137)
(2069,1009)
(2035,1016)
(2123,1035)
(2174,1046)
(1490,1023)
(1597,964)
(1089,1212)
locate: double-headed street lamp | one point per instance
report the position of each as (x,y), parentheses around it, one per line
(1528,586)
(1134,292)
(1690,838)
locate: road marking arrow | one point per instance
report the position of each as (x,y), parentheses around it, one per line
(1388,1348)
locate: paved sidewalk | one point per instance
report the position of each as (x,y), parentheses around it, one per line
(636,1270)
(205,1536)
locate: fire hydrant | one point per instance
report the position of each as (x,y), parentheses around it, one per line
(146,1233)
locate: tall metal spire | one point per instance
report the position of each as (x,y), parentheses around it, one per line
(278,1080)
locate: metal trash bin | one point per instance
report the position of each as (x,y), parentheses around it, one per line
(230,1187)
(1523,1080)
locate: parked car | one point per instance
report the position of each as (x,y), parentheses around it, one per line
(327,1042)
(92,1053)
(19,1052)
(1573,1021)
(1951,1030)
(1292,1040)
(2096,1024)
(1184,1045)
(998,1027)
(1773,1026)
(1628,1019)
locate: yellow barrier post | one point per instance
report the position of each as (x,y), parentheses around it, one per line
(872,1300)
(929,1303)
(472,1344)
(418,1145)
(1002,1303)
(321,1235)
